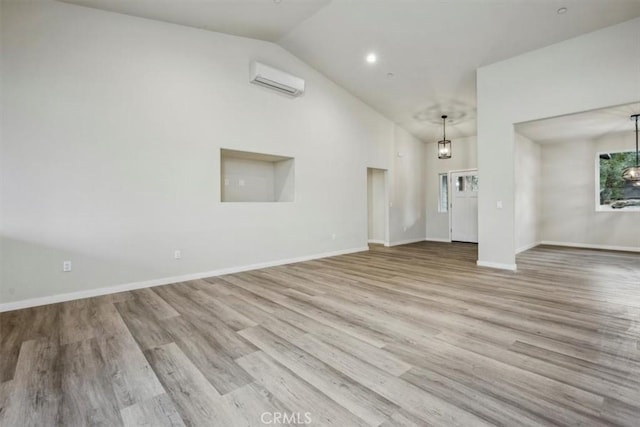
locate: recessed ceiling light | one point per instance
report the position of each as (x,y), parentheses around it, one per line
(562,10)
(390,75)
(277,1)
(372,58)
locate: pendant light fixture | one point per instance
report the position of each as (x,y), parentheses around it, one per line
(444,145)
(632,174)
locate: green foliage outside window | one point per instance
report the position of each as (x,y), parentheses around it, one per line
(611,183)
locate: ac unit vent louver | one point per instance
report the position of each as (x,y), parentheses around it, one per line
(272,78)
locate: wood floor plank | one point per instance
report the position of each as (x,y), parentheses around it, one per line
(35,391)
(573,376)
(411,335)
(6,390)
(232,318)
(76,321)
(295,393)
(131,377)
(402,418)
(256,405)
(87,392)
(615,412)
(217,334)
(19,326)
(265,319)
(429,408)
(543,398)
(153,304)
(196,400)
(485,406)
(144,326)
(351,395)
(106,321)
(159,411)
(374,355)
(11,339)
(215,364)
(326,317)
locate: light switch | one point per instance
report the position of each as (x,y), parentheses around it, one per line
(499,204)
(241,183)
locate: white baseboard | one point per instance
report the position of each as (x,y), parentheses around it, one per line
(591,246)
(405,242)
(52,299)
(527,247)
(377,242)
(510,267)
(436,239)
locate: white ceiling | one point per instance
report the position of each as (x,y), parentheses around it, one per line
(432,47)
(258,19)
(587,125)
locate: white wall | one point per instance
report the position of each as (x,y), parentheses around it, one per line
(464,157)
(377,205)
(257,180)
(568,196)
(406,215)
(111,132)
(596,70)
(247,180)
(527,156)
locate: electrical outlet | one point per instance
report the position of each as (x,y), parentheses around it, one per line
(66,266)
(177,254)
(333,236)
(404,228)
(499,204)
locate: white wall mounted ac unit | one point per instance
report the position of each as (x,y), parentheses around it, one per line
(272,78)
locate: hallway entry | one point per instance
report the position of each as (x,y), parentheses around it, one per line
(377,205)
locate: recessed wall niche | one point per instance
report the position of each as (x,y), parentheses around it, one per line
(255,177)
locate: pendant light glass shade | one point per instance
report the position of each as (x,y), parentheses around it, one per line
(444,145)
(632,174)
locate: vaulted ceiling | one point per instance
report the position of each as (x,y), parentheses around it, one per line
(427,50)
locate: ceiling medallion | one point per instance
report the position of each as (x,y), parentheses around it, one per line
(457,112)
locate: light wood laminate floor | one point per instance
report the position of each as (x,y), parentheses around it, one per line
(404,336)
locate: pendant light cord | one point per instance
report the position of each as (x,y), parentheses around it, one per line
(637,153)
(444,128)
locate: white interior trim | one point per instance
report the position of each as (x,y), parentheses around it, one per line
(510,267)
(377,242)
(52,299)
(592,246)
(527,247)
(437,239)
(405,242)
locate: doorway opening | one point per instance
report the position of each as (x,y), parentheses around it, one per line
(377,212)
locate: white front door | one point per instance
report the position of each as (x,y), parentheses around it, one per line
(464,206)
